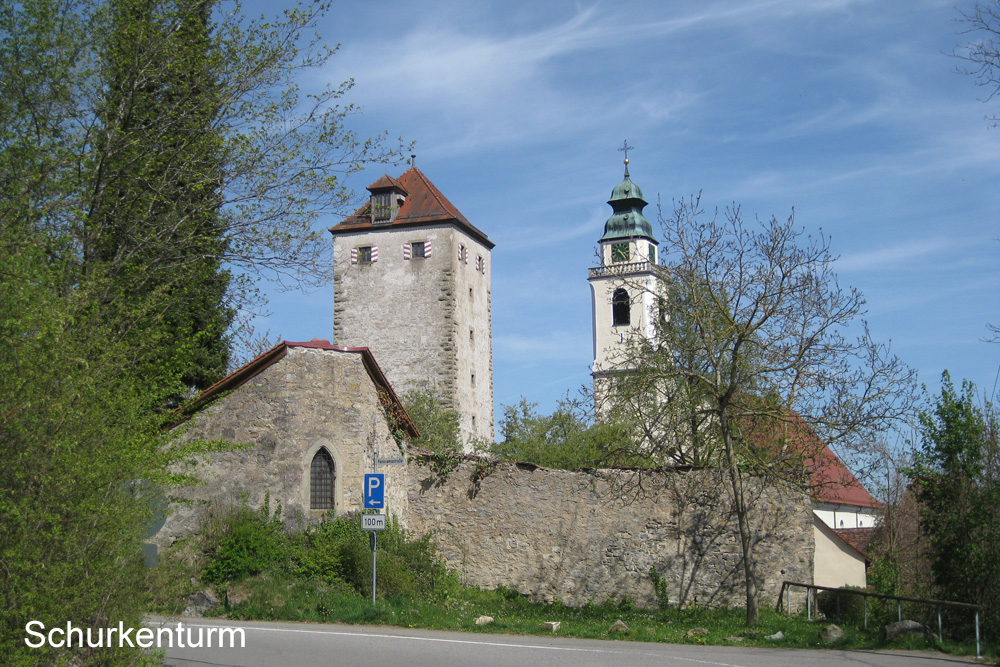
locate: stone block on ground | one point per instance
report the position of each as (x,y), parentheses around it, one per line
(618,626)
(831,634)
(904,627)
(199,603)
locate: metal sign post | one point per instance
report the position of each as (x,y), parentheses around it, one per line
(374,563)
(374,498)
(373,523)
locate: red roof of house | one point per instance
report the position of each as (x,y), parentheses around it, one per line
(276,353)
(833,483)
(424,204)
(829,479)
(858,538)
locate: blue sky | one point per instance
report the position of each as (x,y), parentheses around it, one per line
(850,111)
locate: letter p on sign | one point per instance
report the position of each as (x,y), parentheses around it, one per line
(374,491)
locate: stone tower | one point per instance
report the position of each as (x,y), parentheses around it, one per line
(624,285)
(411,281)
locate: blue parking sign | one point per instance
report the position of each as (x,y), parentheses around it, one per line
(374,491)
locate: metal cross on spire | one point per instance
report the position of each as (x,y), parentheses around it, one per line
(625,149)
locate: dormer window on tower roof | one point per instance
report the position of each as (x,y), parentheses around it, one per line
(387,197)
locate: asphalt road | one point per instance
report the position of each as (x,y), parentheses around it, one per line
(300,644)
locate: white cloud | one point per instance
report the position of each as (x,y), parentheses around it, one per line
(895,256)
(529,349)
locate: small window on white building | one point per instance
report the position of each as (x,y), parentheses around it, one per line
(621,308)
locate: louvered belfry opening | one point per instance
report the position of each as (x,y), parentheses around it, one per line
(621,307)
(321,481)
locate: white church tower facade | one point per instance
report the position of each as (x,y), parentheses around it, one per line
(624,287)
(412,283)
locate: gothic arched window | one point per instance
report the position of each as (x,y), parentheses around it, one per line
(621,306)
(322,476)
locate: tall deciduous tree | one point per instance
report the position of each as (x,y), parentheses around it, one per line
(957,481)
(146,146)
(981,54)
(759,360)
(166,148)
(153,230)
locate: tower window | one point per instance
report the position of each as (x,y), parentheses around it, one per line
(417,250)
(621,307)
(619,252)
(366,254)
(652,254)
(321,481)
(382,207)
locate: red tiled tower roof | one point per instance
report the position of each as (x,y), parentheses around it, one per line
(424,204)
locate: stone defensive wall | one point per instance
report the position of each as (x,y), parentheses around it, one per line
(594,535)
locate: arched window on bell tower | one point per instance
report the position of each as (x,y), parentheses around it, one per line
(322,478)
(621,308)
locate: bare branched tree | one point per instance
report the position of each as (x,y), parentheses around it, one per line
(760,359)
(980,55)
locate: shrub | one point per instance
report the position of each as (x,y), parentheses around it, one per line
(251,542)
(660,588)
(843,607)
(338,550)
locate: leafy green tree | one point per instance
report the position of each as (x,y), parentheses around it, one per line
(76,438)
(153,226)
(166,149)
(438,425)
(957,482)
(752,367)
(566,439)
(146,148)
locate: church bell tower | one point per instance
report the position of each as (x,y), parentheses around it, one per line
(624,285)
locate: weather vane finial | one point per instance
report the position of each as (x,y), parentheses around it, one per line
(625,149)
